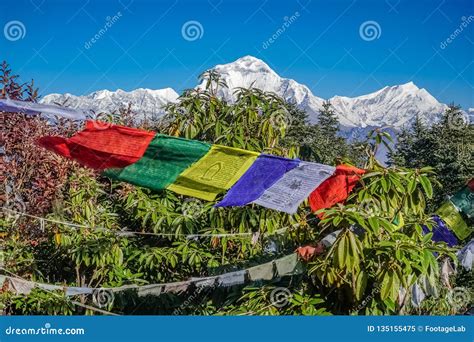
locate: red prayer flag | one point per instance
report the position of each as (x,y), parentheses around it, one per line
(308,252)
(101,145)
(470,184)
(336,188)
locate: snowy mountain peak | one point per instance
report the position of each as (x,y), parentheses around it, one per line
(145,102)
(250,71)
(408,86)
(247,64)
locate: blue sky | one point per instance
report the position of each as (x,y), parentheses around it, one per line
(322,47)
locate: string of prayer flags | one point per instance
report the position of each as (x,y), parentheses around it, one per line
(294,187)
(163,161)
(47,110)
(100,145)
(464,201)
(449,214)
(441,232)
(214,173)
(263,173)
(198,169)
(286,266)
(336,188)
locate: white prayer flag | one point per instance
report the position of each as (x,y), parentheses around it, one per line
(294,187)
(48,110)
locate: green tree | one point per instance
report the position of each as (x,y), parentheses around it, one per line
(447,146)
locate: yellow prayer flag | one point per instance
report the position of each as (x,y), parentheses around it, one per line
(214,173)
(57,238)
(454,220)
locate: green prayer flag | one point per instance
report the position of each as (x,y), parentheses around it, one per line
(454,220)
(164,160)
(262,272)
(464,201)
(289,265)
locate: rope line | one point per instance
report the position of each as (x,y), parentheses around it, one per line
(126,232)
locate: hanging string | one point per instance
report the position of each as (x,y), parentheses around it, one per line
(125,232)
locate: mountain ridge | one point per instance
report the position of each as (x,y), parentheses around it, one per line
(392,106)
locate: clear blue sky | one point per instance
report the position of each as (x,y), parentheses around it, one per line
(322,47)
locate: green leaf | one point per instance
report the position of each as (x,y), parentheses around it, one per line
(412,185)
(386,287)
(341,252)
(360,284)
(426,184)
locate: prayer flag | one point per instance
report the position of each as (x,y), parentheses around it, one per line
(204,282)
(177,287)
(466,255)
(263,173)
(164,159)
(262,272)
(417,295)
(48,110)
(464,201)
(101,145)
(336,188)
(214,173)
(441,232)
(232,278)
(288,265)
(453,219)
(150,290)
(294,187)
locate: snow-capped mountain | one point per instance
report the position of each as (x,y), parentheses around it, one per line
(390,106)
(145,102)
(393,106)
(250,71)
